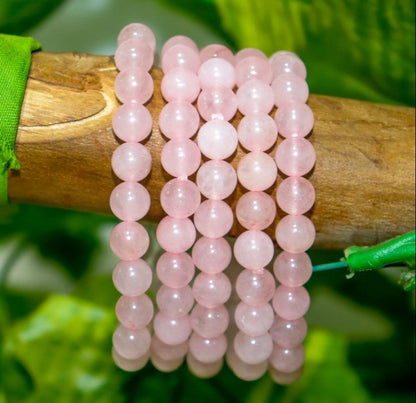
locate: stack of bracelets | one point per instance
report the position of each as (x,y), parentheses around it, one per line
(266,329)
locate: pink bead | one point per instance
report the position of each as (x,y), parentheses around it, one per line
(209,322)
(134,312)
(257,132)
(217,139)
(287,360)
(253,250)
(132,122)
(180,84)
(253,67)
(129,240)
(175,235)
(294,119)
(213,218)
(180,56)
(130,201)
(179,120)
(211,255)
(288,333)
(171,330)
(134,53)
(216,72)
(132,278)
(244,371)
(211,290)
(217,103)
(131,162)
(291,269)
(139,31)
(131,344)
(287,62)
(216,179)
(289,87)
(291,303)
(285,378)
(255,210)
(130,365)
(180,157)
(179,40)
(133,85)
(174,302)
(175,270)
(180,198)
(249,52)
(168,352)
(295,233)
(255,288)
(254,97)
(216,51)
(254,320)
(253,350)
(295,195)
(202,369)
(257,171)
(295,156)
(207,350)
(165,365)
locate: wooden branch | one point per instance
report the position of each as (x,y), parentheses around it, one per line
(364,175)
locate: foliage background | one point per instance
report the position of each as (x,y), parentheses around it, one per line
(56,296)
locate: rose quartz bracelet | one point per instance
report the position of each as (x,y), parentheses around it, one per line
(130,201)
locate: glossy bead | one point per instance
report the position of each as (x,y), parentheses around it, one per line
(132,278)
(255,287)
(131,344)
(207,350)
(211,255)
(209,322)
(134,312)
(295,156)
(289,87)
(180,157)
(132,122)
(211,290)
(179,40)
(254,97)
(174,302)
(295,195)
(246,372)
(180,84)
(168,352)
(179,120)
(285,378)
(287,360)
(180,56)
(175,270)
(134,53)
(129,240)
(249,52)
(291,303)
(287,62)
(165,365)
(216,72)
(295,233)
(133,85)
(288,333)
(216,51)
(294,119)
(253,67)
(130,365)
(213,218)
(171,330)
(175,235)
(138,31)
(292,269)
(202,369)
(130,201)
(257,132)
(253,350)
(217,103)
(254,320)
(131,162)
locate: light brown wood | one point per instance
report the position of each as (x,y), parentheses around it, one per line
(364,175)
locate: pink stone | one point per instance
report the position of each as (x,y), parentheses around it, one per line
(211,255)
(295,156)
(175,235)
(175,270)
(209,322)
(180,56)
(295,233)
(287,62)
(174,302)
(292,269)
(216,179)
(180,198)
(179,120)
(287,360)
(253,350)
(134,312)
(207,350)
(254,320)
(217,103)
(179,40)
(134,53)
(255,97)
(295,195)
(216,51)
(294,119)
(202,369)
(133,85)
(291,303)
(257,171)
(257,132)
(253,67)
(289,87)
(131,162)
(168,352)
(217,139)
(211,290)
(172,330)
(131,344)
(130,365)
(180,84)
(129,240)
(132,278)
(288,333)
(285,378)
(253,249)
(249,52)
(255,210)
(213,218)
(255,287)
(165,365)
(138,31)
(246,372)
(216,72)
(132,122)
(180,157)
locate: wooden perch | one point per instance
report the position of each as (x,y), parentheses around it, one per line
(364,175)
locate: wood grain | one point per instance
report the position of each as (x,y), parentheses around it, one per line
(364,176)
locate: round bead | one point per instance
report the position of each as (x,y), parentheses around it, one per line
(253,67)
(216,72)
(209,322)
(130,365)
(202,369)
(133,85)
(129,240)
(211,255)
(207,350)
(172,330)
(288,333)
(211,290)
(289,87)
(249,52)
(285,378)
(217,103)
(292,269)
(295,233)
(132,278)
(175,270)
(180,198)
(131,162)
(134,312)
(244,371)
(294,119)
(179,120)
(132,122)
(174,302)
(287,62)
(180,56)
(291,303)
(138,31)
(180,84)
(295,195)
(130,201)
(168,352)
(134,53)
(164,365)
(255,97)
(179,40)
(180,157)
(213,218)
(257,132)
(175,235)
(287,360)
(254,320)
(295,156)
(131,344)
(255,287)
(216,51)
(253,350)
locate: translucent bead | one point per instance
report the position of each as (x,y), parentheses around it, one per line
(257,171)
(253,250)
(287,360)
(287,62)
(289,87)
(131,162)
(217,51)
(295,195)
(209,322)
(134,312)
(291,303)
(217,139)
(217,103)
(133,85)
(253,67)
(255,287)
(180,56)
(130,201)
(255,210)
(216,72)
(168,352)
(207,350)
(249,52)
(254,320)
(165,365)
(180,157)
(213,218)
(254,97)
(285,378)
(288,333)
(179,120)
(172,330)
(202,369)
(134,53)
(130,365)
(179,40)
(180,198)
(211,255)
(180,84)
(138,31)
(131,344)
(132,122)
(246,372)
(295,156)
(211,290)
(129,240)
(216,179)
(292,269)
(175,235)
(257,132)
(174,302)
(132,278)
(295,233)
(175,270)
(294,119)
(253,350)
